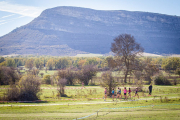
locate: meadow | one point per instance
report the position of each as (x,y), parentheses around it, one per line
(88,103)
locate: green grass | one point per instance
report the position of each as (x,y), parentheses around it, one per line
(167,110)
(165,100)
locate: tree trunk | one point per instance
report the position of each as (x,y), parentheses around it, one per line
(125,81)
(86,82)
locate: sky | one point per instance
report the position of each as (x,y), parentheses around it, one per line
(16,13)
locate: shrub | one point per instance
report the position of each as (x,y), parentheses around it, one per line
(29,88)
(47,79)
(8,76)
(25,90)
(13,93)
(61,84)
(161,80)
(87,73)
(67,74)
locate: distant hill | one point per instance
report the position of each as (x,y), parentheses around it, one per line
(72,30)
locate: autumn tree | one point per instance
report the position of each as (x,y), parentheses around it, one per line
(50,64)
(29,63)
(111,62)
(149,69)
(126,50)
(8,75)
(86,73)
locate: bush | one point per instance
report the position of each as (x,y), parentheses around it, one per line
(67,74)
(26,90)
(8,76)
(161,80)
(13,93)
(47,79)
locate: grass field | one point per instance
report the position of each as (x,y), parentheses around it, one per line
(163,104)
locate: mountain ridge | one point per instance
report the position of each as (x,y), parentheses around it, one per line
(86,30)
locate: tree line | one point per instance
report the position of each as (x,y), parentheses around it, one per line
(127,59)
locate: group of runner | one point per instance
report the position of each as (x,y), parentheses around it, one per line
(119,95)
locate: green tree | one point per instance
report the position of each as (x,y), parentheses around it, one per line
(178,71)
(2,59)
(62,63)
(38,64)
(29,63)
(50,64)
(47,79)
(171,63)
(10,63)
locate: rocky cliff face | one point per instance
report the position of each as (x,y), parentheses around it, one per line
(72,30)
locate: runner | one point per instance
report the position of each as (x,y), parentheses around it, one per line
(117,94)
(120,94)
(105,94)
(136,93)
(83,85)
(113,94)
(125,91)
(150,89)
(129,92)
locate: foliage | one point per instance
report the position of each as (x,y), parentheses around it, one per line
(149,69)
(108,81)
(50,64)
(126,50)
(10,63)
(38,64)
(8,76)
(111,62)
(67,74)
(47,79)
(25,90)
(2,59)
(171,63)
(29,63)
(178,71)
(86,73)
(29,88)
(62,63)
(160,79)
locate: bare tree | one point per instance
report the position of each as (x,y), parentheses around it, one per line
(67,74)
(86,73)
(126,50)
(108,81)
(61,84)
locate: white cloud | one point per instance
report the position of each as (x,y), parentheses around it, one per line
(7,16)
(9,20)
(20,9)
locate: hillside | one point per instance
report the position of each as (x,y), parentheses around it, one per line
(73,30)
